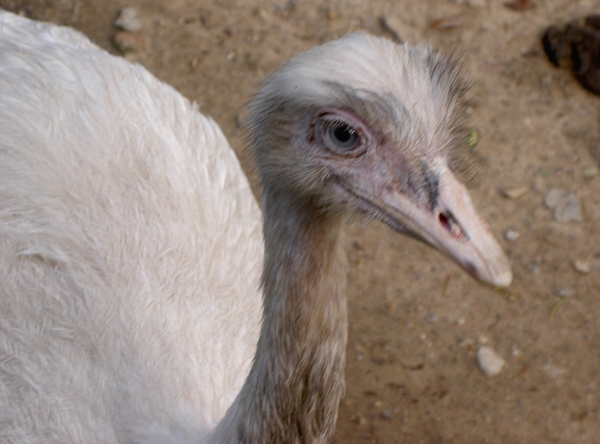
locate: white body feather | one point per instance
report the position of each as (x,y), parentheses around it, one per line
(128,237)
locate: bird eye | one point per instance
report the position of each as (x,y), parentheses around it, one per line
(342,136)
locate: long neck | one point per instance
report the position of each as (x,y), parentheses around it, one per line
(297,379)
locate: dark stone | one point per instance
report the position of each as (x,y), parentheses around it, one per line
(577,47)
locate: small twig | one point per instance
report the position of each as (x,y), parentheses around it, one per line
(447,284)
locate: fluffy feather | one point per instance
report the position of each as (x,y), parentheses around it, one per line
(119,205)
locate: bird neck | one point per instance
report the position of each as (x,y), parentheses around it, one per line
(293,390)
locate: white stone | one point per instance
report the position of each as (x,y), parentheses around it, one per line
(514,193)
(128,20)
(489,361)
(511,235)
(582,266)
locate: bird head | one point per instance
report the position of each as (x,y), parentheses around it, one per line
(363,125)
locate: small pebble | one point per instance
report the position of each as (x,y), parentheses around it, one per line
(554,197)
(489,361)
(565,206)
(514,193)
(582,266)
(511,235)
(566,292)
(554,371)
(193,64)
(514,351)
(358,419)
(460,321)
(128,20)
(590,172)
(387,414)
(432,317)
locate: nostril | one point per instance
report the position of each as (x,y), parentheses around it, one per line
(445,222)
(450,224)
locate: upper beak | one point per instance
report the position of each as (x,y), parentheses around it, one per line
(452,226)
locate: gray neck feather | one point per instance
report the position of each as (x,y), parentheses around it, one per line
(297,379)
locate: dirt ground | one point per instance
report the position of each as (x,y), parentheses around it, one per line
(417,320)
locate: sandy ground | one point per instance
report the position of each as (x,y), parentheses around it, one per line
(416,320)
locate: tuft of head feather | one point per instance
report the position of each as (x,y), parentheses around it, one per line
(408,93)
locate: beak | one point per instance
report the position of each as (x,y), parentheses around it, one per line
(452,226)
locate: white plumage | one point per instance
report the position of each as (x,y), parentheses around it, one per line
(119,206)
(131,247)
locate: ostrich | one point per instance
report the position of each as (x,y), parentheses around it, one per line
(132,307)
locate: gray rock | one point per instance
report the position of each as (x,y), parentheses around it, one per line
(565,206)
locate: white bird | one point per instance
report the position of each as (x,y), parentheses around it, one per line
(131,252)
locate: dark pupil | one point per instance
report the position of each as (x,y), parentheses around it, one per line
(343,133)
